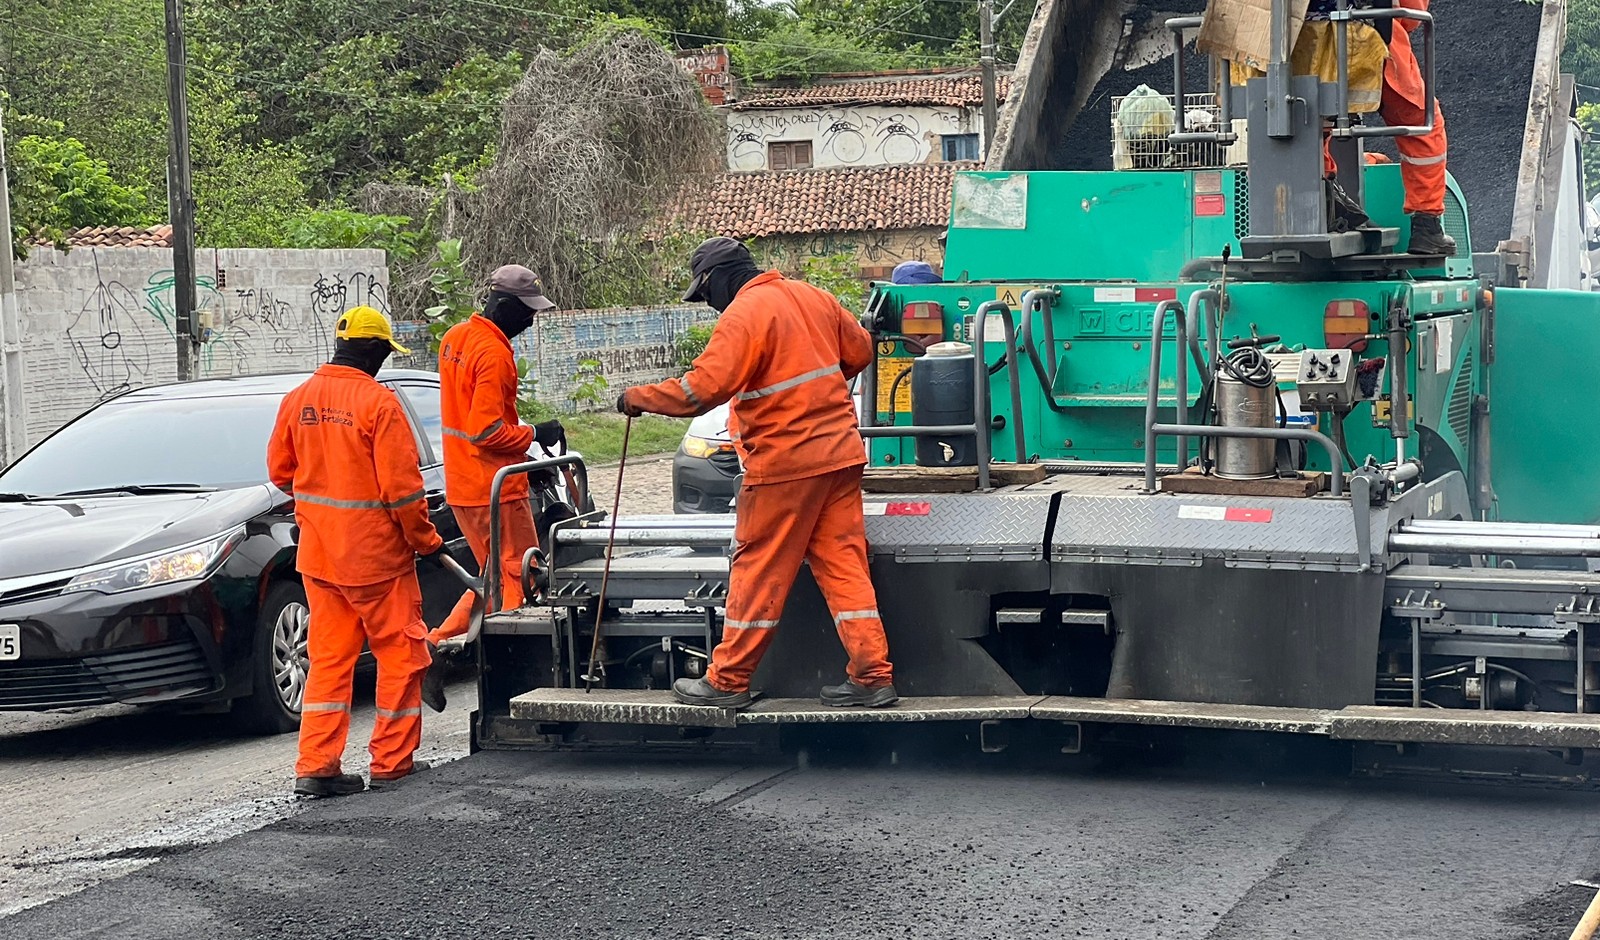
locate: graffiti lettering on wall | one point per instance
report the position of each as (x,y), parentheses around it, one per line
(864,136)
(633,346)
(124,336)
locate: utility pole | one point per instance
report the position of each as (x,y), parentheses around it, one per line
(180,195)
(13,410)
(986,60)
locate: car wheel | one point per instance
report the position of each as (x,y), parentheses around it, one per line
(279,663)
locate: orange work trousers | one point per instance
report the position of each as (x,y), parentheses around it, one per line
(1422,158)
(816,519)
(517,535)
(388,617)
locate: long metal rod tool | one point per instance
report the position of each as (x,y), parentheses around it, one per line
(589,675)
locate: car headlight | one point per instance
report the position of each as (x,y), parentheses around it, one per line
(701,447)
(180,564)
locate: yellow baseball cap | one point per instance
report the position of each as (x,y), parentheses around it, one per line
(367,323)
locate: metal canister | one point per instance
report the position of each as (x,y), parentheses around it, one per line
(1244,405)
(942,393)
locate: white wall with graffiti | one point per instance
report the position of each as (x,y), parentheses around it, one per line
(96,321)
(845,136)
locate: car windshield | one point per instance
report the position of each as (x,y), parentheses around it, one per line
(154,443)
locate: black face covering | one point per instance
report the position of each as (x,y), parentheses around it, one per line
(368,355)
(724,280)
(509,313)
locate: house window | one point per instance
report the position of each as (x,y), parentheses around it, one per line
(960,146)
(789,155)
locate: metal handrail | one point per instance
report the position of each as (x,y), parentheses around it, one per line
(1178,25)
(1341,19)
(491,565)
(981,375)
(1335,484)
(1153,393)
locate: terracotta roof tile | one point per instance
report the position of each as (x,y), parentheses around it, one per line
(850,199)
(947,91)
(112,236)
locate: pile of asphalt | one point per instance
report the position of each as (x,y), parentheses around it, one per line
(1483,85)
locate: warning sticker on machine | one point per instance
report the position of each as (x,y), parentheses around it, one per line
(888,371)
(896,509)
(1224,513)
(1115,295)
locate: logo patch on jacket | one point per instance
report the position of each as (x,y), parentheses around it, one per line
(308,415)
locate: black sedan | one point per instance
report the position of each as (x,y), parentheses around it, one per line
(145,559)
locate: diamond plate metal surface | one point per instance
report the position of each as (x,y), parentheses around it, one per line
(962,519)
(1318,530)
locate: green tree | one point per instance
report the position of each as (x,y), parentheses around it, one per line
(56,185)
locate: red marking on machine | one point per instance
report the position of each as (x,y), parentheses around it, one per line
(907,509)
(1206,206)
(1237,514)
(1152,295)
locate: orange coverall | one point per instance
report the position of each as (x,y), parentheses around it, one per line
(343,449)
(482,433)
(1422,159)
(784,351)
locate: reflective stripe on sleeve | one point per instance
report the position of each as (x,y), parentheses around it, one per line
(844,615)
(325,707)
(481,436)
(1422,161)
(749,624)
(359,503)
(683,382)
(787,384)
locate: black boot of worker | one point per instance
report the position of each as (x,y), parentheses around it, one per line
(1428,236)
(701,692)
(1348,215)
(342,785)
(417,767)
(433,680)
(848,693)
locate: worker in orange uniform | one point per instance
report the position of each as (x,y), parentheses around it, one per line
(1422,158)
(342,447)
(784,351)
(482,433)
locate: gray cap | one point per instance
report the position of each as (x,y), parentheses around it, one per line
(711,253)
(518,281)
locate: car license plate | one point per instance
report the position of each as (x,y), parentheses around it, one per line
(10,641)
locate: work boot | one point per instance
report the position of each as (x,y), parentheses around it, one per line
(849,693)
(340,785)
(379,781)
(1428,236)
(701,692)
(1348,215)
(433,680)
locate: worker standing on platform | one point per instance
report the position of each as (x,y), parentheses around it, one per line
(784,352)
(482,433)
(342,447)
(1422,158)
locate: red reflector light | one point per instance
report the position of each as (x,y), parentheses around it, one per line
(1345,324)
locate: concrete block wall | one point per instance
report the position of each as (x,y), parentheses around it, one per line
(96,321)
(633,346)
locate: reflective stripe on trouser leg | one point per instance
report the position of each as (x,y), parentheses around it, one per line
(1422,158)
(838,556)
(391,614)
(517,535)
(333,645)
(774,526)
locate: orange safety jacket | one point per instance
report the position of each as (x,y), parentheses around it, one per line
(478,390)
(784,352)
(342,447)
(1402,72)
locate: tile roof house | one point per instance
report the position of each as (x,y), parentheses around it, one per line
(111,236)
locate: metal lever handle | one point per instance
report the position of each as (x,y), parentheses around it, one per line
(475,623)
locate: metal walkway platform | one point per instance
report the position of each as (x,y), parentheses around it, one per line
(1354,723)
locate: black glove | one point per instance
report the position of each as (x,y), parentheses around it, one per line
(435,558)
(627,409)
(549,433)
